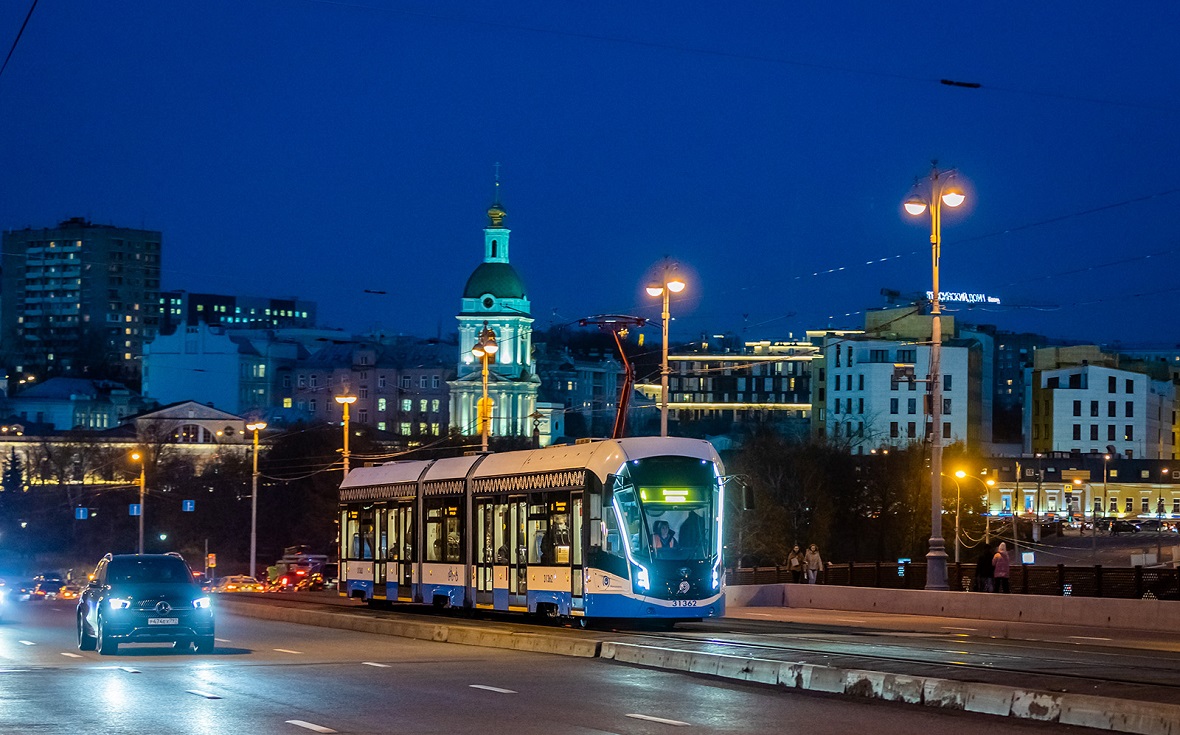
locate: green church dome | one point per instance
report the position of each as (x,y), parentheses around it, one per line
(498,279)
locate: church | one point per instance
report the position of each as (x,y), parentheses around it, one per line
(495,296)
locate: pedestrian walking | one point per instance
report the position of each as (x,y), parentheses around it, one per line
(1000,569)
(813,563)
(795,564)
(984,571)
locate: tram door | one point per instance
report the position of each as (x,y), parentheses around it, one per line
(576,576)
(381,552)
(518,556)
(401,547)
(485,540)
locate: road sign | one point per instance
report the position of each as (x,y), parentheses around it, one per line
(134,509)
(188,506)
(211,561)
(81,513)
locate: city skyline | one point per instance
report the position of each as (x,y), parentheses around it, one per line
(346,155)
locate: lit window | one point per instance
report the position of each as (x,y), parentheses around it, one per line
(286,403)
(380,404)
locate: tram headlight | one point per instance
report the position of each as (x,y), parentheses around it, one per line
(716,578)
(641,578)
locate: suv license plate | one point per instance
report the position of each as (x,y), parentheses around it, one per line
(163,621)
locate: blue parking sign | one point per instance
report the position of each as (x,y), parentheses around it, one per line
(188,505)
(81,513)
(134,509)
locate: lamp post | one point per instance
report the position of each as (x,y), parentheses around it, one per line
(138,457)
(255,427)
(958,499)
(1159,520)
(986,508)
(485,349)
(942,190)
(346,401)
(665,288)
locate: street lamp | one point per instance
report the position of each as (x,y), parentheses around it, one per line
(987,515)
(138,457)
(942,190)
(1159,520)
(255,427)
(346,401)
(485,349)
(665,288)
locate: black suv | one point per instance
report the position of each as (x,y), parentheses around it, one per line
(144,598)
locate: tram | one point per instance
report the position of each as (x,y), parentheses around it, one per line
(613,528)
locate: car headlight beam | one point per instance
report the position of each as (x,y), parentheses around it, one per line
(116,603)
(202,603)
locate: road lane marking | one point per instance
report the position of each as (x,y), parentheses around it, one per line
(310,726)
(1089,638)
(71,655)
(759,615)
(374,663)
(287,650)
(842,620)
(222,640)
(27,643)
(953,627)
(199,693)
(491,689)
(661,720)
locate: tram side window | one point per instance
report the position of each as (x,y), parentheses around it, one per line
(443,532)
(367,537)
(353,534)
(538,526)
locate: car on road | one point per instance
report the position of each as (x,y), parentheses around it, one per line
(238,583)
(312,583)
(1122,525)
(144,598)
(48,587)
(23,591)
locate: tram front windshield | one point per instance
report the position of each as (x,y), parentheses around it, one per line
(669,506)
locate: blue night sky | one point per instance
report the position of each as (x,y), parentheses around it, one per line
(319,149)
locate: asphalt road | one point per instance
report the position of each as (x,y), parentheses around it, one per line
(267,677)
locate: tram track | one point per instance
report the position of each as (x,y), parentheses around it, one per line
(1089,670)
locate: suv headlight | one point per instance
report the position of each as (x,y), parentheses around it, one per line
(202,603)
(116,603)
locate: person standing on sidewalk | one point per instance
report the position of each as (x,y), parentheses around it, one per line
(813,563)
(984,571)
(1001,569)
(795,564)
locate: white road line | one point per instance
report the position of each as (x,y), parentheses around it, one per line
(199,693)
(953,627)
(287,650)
(374,663)
(491,689)
(1089,638)
(842,620)
(130,670)
(309,726)
(759,615)
(27,643)
(222,640)
(661,720)
(71,655)
(13,671)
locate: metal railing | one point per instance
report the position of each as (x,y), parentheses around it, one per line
(1061,580)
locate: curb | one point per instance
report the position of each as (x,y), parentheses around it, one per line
(1101,713)
(439,632)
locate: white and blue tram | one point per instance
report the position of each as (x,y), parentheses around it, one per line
(618,528)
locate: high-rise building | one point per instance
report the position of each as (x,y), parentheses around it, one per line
(233,312)
(79,299)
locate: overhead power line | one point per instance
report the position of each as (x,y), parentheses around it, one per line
(16,40)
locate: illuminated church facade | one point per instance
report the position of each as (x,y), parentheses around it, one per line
(495,296)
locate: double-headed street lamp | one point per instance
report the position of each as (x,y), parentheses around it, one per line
(485,349)
(987,508)
(666,287)
(255,427)
(138,457)
(346,401)
(942,190)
